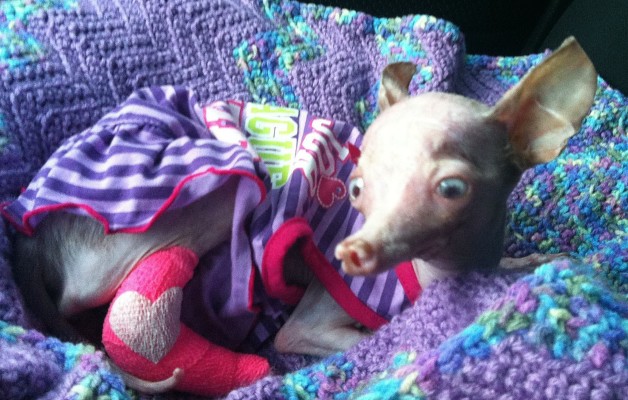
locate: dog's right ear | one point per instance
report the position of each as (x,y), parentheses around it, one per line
(547,106)
(394,85)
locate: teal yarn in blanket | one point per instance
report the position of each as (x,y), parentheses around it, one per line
(578,203)
(562,311)
(17,46)
(77,370)
(267,59)
(557,332)
(395,43)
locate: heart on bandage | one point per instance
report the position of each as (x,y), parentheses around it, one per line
(150,329)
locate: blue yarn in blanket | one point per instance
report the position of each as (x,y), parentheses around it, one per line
(559,332)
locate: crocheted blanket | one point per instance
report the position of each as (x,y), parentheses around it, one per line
(560,331)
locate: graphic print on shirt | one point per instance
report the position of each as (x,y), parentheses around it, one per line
(286,140)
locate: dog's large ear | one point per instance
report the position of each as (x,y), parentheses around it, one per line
(394,85)
(547,106)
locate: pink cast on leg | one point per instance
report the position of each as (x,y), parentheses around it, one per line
(143,334)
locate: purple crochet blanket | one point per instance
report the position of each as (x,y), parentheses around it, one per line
(558,332)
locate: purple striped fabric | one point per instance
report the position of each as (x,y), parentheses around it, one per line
(161,150)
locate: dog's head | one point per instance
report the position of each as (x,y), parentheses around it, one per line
(436,169)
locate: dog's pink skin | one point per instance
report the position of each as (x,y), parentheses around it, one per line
(407,152)
(418,144)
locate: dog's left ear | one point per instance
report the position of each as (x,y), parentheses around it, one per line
(547,106)
(394,85)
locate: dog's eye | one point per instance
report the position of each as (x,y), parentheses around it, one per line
(452,188)
(355,188)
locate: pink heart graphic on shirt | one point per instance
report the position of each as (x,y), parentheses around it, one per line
(330,190)
(159,322)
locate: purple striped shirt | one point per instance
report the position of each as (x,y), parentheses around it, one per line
(161,150)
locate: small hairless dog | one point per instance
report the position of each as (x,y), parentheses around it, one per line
(431,182)
(446,199)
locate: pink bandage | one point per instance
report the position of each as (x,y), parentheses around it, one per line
(145,338)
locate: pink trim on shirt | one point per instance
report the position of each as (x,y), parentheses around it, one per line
(330,278)
(27,229)
(409,280)
(272,261)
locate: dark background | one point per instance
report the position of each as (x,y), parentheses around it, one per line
(520,27)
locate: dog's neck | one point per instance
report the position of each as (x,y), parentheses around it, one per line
(428,272)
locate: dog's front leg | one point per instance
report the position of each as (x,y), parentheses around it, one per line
(318,325)
(531,261)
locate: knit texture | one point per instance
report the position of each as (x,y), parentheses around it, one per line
(558,332)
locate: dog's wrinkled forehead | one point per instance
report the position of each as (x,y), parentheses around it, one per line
(441,125)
